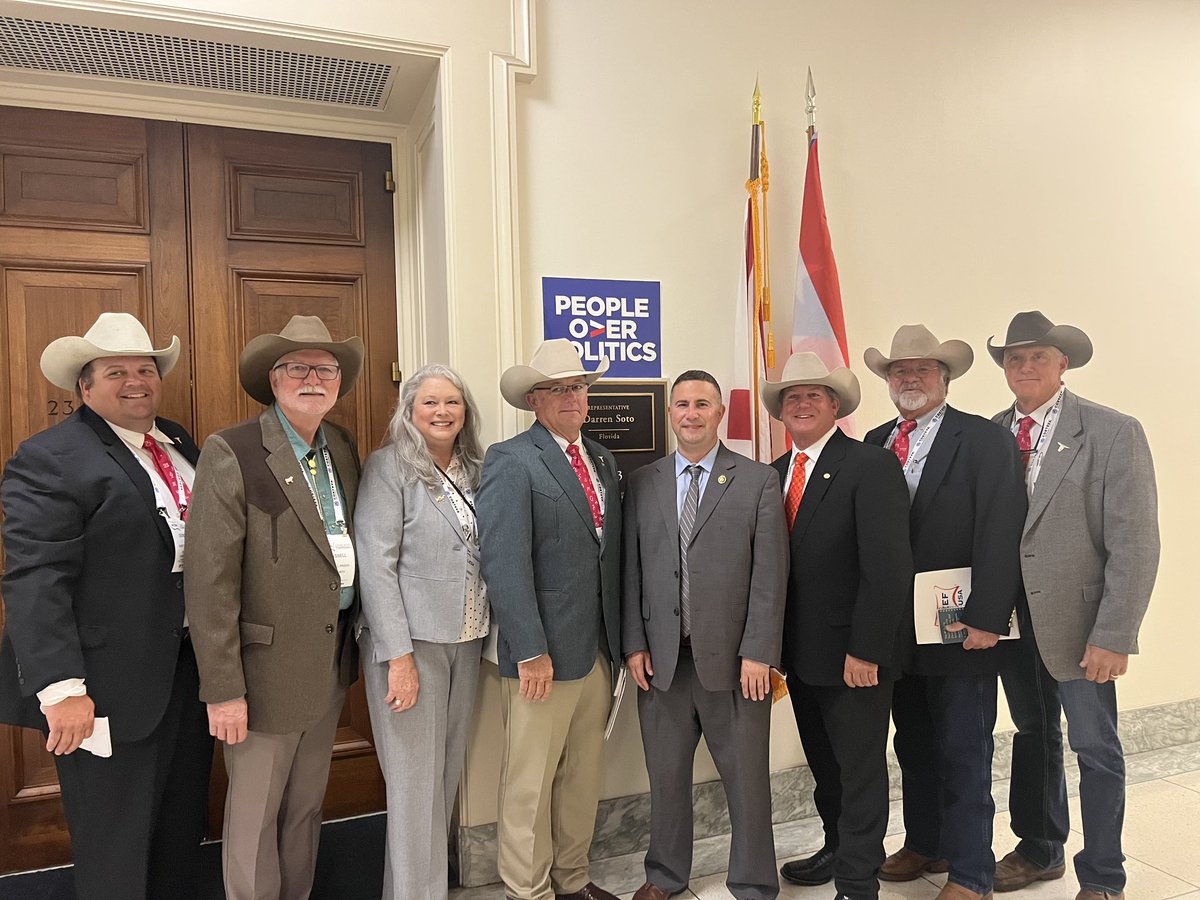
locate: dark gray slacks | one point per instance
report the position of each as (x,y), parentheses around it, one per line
(738,734)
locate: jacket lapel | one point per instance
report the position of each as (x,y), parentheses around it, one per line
(719,479)
(825,470)
(1068,435)
(668,505)
(282,462)
(560,467)
(941,454)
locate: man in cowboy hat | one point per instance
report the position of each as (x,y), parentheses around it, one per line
(1089,556)
(271,581)
(550,543)
(968,504)
(851,574)
(95,629)
(705,580)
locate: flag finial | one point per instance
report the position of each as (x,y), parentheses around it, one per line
(810,92)
(757,103)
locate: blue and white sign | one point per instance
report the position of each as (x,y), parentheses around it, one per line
(617,320)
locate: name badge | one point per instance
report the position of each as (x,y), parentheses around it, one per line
(343,557)
(176,527)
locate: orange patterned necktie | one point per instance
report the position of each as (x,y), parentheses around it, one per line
(795,489)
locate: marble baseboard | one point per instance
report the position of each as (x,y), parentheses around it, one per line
(623,823)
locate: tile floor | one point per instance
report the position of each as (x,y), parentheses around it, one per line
(1162,843)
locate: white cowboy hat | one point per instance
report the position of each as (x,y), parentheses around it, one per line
(807,368)
(1029,328)
(554,359)
(113,334)
(300,333)
(918,342)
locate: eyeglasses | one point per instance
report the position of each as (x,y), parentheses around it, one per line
(300,371)
(560,390)
(901,373)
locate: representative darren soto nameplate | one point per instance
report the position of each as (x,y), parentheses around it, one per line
(630,419)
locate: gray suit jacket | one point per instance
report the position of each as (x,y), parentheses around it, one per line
(1089,550)
(553,584)
(412,559)
(738,565)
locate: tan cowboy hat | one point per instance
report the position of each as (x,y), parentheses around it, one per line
(1034,328)
(918,342)
(555,359)
(807,368)
(113,334)
(300,333)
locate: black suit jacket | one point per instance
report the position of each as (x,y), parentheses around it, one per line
(968,511)
(88,587)
(851,572)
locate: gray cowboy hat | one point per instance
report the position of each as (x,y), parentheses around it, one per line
(807,368)
(113,334)
(300,333)
(918,342)
(554,359)
(1030,328)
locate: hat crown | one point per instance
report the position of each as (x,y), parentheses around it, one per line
(118,331)
(805,364)
(556,356)
(914,342)
(1027,326)
(306,330)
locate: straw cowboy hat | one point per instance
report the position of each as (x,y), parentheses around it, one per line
(1029,328)
(113,334)
(918,342)
(300,333)
(807,368)
(554,359)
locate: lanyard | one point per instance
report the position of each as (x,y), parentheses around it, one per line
(446,479)
(181,502)
(310,478)
(1047,429)
(912,453)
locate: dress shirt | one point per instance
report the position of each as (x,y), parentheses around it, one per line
(813,452)
(1038,435)
(683,479)
(476,620)
(597,484)
(920,444)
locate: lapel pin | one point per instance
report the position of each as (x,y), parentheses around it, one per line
(721,479)
(1062,447)
(288,480)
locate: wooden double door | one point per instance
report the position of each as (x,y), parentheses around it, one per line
(215,235)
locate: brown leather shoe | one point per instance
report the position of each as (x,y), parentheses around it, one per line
(590,891)
(1015,872)
(650,891)
(909,865)
(954,891)
(1089,894)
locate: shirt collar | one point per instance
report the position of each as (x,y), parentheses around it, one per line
(1039,414)
(138,438)
(299,446)
(813,450)
(563,443)
(705,463)
(923,421)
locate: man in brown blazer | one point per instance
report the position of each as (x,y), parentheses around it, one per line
(271,575)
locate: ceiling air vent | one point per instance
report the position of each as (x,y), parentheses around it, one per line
(166,59)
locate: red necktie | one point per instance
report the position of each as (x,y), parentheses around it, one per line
(1025,439)
(795,489)
(900,444)
(585,479)
(165,468)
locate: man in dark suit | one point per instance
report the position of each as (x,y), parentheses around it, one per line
(1089,557)
(964,478)
(550,545)
(705,579)
(93,591)
(850,582)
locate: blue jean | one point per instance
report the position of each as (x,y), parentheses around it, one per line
(944,744)
(1091,711)
(1037,793)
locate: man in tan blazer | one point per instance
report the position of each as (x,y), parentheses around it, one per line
(271,575)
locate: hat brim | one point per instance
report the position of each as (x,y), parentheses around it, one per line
(518,381)
(957,356)
(1073,342)
(64,358)
(254,367)
(841,381)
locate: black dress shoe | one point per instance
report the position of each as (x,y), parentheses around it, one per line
(590,891)
(816,869)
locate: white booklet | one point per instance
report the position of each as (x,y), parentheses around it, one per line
(618,693)
(938,601)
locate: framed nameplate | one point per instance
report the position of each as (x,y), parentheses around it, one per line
(630,419)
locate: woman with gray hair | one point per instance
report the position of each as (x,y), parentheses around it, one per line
(424,617)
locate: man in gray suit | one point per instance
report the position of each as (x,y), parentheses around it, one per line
(704,585)
(550,545)
(1089,555)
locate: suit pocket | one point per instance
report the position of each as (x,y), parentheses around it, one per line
(253,633)
(91,636)
(1093,592)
